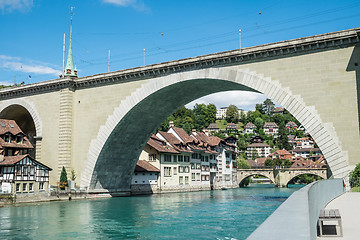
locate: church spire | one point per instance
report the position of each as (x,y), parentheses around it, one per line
(69,70)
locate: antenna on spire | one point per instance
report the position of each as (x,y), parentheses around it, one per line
(71,11)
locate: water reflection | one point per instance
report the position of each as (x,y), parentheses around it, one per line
(233,213)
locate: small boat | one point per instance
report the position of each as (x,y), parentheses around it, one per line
(224,188)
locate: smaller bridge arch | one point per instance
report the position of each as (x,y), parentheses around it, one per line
(320,172)
(242,174)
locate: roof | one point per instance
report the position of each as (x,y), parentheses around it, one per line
(258,145)
(11,160)
(9,126)
(282,152)
(183,135)
(277,109)
(291,124)
(213,126)
(249,125)
(306,150)
(270,124)
(231,125)
(160,145)
(144,166)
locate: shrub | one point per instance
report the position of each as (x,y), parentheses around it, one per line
(355,177)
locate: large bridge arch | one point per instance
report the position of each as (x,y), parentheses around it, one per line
(117,144)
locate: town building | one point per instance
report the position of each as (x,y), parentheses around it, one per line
(277,110)
(256,150)
(145,178)
(19,172)
(213,128)
(304,143)
(291,126)
(280,154)
(232,128)
(221,113)
(306,152)
(249,128)
(270,128)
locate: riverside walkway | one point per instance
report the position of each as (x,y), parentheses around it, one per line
(348,205)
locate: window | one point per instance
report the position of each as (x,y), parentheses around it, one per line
(192,165)
(24,187)
(41,186)
(198,166)
(197,176)
(186,159)
(187,180)
(152,157)
(227,155)
(25,171)
(175,170)
(32,172)
(181,169)
(193,176)
(181,181)
(186,169)
(167,158)
(167,171)
(180,158)
(18,187)
(31,187)
(18,170)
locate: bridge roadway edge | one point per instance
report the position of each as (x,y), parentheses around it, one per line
(296,218)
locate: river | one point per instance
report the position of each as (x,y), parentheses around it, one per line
(229,214)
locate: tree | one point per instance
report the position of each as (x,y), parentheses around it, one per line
(242,163)
(282,140)
(232,114)
(268,105)
(259,107)
(210,113)
(259,123)
(355,177)
(63,177)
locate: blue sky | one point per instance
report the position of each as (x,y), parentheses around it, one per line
(32,33)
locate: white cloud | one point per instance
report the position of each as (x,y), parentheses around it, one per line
(242,99)
(11,5)
(137,5)
(17,64)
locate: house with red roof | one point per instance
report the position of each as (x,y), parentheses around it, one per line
(280,154)
(20,173)
(249,128)
(270,128)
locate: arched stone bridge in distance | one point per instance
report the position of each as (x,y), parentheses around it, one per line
(98,125)
(279,176)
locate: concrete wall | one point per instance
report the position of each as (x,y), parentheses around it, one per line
(297,217)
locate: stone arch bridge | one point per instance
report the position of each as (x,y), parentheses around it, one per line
(98,125)
(279,176)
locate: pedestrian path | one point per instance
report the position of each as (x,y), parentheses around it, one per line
(349,207)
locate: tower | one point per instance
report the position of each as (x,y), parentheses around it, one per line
(70,71)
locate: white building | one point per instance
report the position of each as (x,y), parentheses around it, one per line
(260,149)
(221,113)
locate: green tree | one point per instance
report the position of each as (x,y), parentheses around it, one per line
(232,114)
(268,105)
(63,177)
(242,163)
(210,113)
(282,140)
(259,123)
(259,107)
(355,177)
